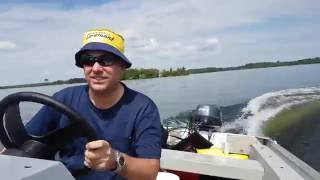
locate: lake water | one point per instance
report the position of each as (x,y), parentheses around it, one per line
(176,94)
(248,97)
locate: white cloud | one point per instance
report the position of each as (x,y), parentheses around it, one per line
(159,34)
(7,46)
(149,45)
(192,48)
(211,45)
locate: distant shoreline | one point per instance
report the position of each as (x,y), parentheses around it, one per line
(155,73)
(59,82)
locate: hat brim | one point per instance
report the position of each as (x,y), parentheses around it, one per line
(96,46)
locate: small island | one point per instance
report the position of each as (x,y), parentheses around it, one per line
(142,73)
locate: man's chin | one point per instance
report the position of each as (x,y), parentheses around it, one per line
(98,87)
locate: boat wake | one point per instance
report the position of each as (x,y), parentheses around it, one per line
(266,106)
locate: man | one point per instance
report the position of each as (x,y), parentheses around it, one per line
(126,121)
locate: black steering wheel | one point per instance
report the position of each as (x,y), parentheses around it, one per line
(18,142)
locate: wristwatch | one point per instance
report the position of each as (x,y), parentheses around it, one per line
(120,161)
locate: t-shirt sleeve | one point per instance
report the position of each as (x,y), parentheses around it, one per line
(148,133)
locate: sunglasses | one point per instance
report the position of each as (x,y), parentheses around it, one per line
(104,60)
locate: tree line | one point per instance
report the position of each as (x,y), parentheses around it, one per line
(153,73)
(256,65)
(143,73)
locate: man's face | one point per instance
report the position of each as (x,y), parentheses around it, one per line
(102,78)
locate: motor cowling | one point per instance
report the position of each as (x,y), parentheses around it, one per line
(208,117)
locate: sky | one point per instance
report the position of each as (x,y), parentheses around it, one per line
(38,38)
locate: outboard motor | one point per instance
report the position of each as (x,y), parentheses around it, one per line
(207,118)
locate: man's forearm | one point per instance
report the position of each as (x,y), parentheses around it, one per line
(140,168)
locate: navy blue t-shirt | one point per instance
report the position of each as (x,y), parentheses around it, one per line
(131,126)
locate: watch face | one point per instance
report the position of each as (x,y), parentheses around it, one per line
(121,160)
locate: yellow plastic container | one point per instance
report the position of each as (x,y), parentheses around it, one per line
(219,152)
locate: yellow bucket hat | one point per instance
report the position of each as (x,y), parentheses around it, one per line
(103,40)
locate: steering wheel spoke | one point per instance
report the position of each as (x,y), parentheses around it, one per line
(69,133)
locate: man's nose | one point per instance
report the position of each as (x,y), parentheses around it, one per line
(96,67)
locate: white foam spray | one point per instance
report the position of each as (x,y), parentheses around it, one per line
(266,106)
